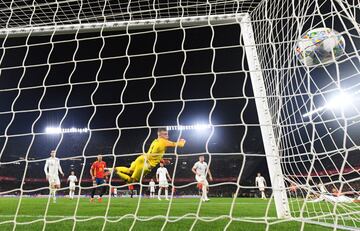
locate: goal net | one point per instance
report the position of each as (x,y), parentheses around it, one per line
(100,77)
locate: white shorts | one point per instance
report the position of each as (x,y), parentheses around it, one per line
(163,184)
(202,179)
(262,188)
(72,186)
(152,189)
(54,180)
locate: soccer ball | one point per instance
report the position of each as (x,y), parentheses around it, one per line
(320,46)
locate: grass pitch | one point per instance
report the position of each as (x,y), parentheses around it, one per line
(151,213)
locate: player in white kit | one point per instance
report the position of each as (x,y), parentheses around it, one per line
(201,170)
(72,179)
(152,188)
(323,189)
(260,182)
(52,169)
(161,174)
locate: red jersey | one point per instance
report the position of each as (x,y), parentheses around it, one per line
(98,169)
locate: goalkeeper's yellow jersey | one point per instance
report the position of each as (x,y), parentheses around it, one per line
(158,148)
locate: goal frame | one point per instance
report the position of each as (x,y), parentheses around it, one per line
(272,154)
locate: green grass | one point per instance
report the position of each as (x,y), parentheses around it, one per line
(89,216)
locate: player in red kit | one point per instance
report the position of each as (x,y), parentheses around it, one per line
(97,172)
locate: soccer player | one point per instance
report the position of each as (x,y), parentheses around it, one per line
(146,162)
(113,191)
(152,188)
(322,188)
(97,172)
(72,179)
(131,189)
(199,169)
(293,189)
(260,182)
(161,174)
(52,169)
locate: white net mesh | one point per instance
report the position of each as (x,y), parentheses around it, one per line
(111,83)
(316,137)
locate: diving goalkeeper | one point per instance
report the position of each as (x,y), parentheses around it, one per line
(146,162)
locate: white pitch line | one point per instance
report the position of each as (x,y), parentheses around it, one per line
(117,217)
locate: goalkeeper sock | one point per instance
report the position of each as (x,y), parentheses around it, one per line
(166,194)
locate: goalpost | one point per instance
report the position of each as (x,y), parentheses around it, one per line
(134,49)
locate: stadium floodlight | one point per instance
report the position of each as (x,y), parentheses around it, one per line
(197,127)
(341,100)
(58,130)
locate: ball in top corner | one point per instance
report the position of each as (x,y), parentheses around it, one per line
(320,46)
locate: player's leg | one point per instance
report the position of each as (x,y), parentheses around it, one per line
(262,190)
(125,172)
(93,191)
(204,185)
(101,182)
(166,193)
(52,186)
(52,192)
(103,190)
(165,186)
(70,191)
(57,186)
(141,169)
(159,193)
(204,192)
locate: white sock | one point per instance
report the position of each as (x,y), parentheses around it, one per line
(159,192)
(53,193)
(204,192)
(166,194)
(70,192)
(263,195)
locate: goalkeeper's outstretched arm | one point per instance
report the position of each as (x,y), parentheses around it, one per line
(180,143)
